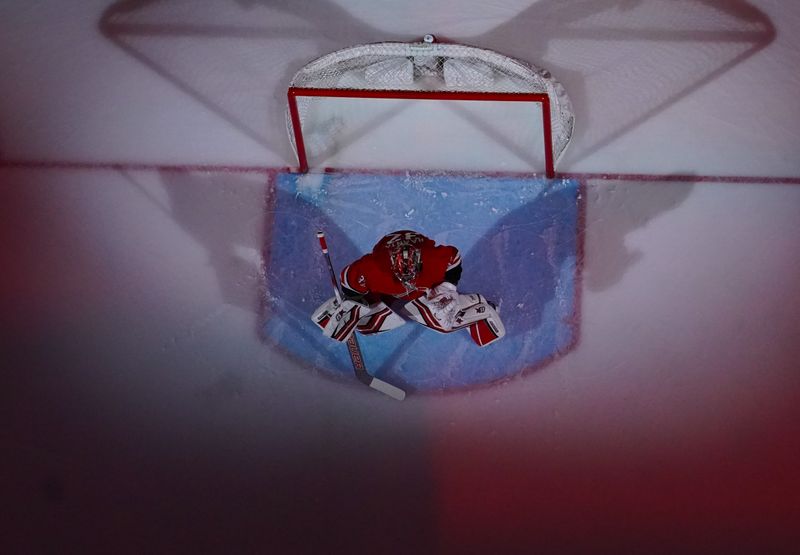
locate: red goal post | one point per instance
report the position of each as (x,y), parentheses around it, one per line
(429,71)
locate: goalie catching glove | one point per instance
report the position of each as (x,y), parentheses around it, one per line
(338,319)
(438,309)
(445,310)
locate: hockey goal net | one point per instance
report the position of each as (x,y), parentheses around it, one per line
(427,106)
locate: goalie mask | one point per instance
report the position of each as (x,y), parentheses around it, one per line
(406,263)
(405,254)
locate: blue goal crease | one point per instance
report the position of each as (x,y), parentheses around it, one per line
(519,243)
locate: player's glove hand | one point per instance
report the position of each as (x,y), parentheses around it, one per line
(338,319)
(443,302)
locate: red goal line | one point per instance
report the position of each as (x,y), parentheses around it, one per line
(129,166)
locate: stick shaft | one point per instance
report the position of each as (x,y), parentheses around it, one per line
(359,367)
(323,244)
(352,343)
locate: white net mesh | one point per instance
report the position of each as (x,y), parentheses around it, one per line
(430,67)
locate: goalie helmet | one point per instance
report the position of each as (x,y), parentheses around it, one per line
(405,254)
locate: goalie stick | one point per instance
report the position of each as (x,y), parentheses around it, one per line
(359,367)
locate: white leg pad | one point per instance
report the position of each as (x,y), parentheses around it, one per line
(474,312)
(378,319)
(421,311)
(481,318)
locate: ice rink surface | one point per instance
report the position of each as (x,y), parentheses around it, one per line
(144,411)
(518,240)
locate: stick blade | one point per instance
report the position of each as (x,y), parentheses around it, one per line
(388,389)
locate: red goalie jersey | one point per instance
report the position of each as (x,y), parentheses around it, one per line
(403,264)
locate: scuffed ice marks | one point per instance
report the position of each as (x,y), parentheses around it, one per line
(310,184)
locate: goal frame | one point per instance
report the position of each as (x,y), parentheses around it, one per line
(540,98)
